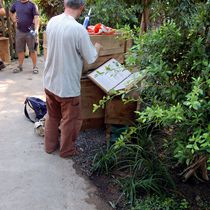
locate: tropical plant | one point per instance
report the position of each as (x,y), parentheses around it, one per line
(137,157)
(159,203)
(113,13)
(174,62)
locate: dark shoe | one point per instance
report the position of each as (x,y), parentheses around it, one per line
(2,66)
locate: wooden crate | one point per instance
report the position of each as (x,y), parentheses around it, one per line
(118,113)
(111,44)
(91,94)
(113,47)
(115,112)
(4,49)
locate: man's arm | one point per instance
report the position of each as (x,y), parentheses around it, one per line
(98,47)
(87,50)
(36,23)
(36,18)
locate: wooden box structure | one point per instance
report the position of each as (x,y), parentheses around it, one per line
(115,112)
(4,49)
(118,113)
(114,46)
(91,94)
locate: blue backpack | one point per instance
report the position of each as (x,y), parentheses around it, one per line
(38,106)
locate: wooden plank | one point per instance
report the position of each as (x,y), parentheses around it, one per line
(101,60)
(119,113)
(111,44)
(128,45)
(91,94)
(4,49)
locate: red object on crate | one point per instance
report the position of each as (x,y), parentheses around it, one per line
(100,29)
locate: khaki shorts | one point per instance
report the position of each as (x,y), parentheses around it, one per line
(22,39)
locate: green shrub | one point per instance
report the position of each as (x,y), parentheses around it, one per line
(173,122)
(176,91)
(137,156)
(160,203)
(114,13)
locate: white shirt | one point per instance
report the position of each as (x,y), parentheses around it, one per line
(68,43)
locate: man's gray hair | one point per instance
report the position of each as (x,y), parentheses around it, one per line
(74,4)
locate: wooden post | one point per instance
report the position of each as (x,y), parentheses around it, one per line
(9,32)
(3,26)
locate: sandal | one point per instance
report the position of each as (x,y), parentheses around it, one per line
(18,69)
(35,70)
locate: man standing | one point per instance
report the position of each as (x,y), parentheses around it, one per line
(68,43)
(2,12)
(25,16)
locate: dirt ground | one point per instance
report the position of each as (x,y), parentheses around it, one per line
(196,193)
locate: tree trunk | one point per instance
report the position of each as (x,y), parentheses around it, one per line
(145,17)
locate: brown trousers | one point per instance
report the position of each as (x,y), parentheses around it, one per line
(63,113)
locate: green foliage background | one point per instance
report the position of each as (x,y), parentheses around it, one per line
(114,13)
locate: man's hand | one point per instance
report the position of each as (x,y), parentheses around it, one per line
(98,47)
(2,12)
(37,32)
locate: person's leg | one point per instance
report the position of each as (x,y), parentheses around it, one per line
(52,122)
(20,49)
(21,56)
(70,125)
(31,42)
(33,58)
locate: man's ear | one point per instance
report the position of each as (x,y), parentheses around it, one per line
(82,8)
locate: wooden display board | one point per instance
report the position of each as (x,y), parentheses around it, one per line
(112,76)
